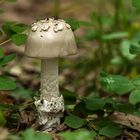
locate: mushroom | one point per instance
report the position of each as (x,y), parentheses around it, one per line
(48,40)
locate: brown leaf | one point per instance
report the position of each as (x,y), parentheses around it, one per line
(128,120)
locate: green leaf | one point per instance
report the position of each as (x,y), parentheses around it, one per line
(74,121)
(30,134)
(136,81)
(19,39)
(135,44)
(70,97)
(136,4)
(81,110)
(136,113)
(116,35)
(109,103)
(23,93)
(135,47)
(6,27)
(134,97)
(93,103)
(2,119)
(81,134)
(86,23)
(92,34)
(6,83)
(111,130)
(42,136)
(116,84)
(124,107)
(100,122)
(1,53)
(125,47)
(7,59)
(12,28)
(117,60)
(13,137)
(73,23)
(18,28)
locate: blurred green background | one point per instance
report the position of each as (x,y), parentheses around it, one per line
(104,30)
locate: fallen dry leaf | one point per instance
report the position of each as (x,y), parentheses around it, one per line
(128,120)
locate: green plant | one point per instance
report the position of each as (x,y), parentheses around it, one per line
(10,32)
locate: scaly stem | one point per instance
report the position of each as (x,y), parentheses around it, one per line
(50,106)
(49,78)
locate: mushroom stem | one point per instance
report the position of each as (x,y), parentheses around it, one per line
(50,106)
(49,78)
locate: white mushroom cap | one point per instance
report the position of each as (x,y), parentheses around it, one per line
(50,38)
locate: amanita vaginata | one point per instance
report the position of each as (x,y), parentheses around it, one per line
(48,40)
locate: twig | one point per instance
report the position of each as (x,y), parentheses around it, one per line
(6,41)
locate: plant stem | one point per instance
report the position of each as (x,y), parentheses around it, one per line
(6,41)
(57,8)
(101,30)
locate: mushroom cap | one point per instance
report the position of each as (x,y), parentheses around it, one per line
(50,38)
